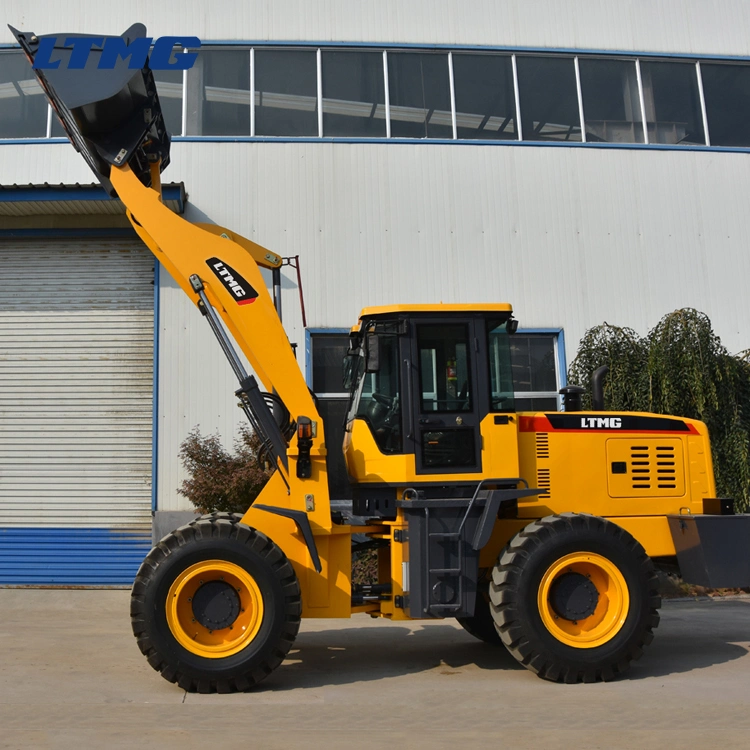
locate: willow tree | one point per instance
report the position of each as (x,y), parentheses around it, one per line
(680,368)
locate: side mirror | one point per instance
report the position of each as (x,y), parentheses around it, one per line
(373,352)
(511,326)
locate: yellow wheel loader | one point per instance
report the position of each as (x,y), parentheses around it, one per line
(542,531)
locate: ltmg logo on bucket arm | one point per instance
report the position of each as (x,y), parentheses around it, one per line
(72,51)
(233,282)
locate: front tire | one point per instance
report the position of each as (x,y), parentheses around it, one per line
(215,606)
(575,598)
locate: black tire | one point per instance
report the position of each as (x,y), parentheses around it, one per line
(481,624)
(221,537)
(516,584)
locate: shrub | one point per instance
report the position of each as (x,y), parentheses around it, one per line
(219,480)
(680,368)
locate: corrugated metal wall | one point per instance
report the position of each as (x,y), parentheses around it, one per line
(653,25)
(76,375)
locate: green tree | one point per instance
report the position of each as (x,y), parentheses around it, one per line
(680,368)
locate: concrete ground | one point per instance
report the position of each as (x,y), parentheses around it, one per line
(71,676)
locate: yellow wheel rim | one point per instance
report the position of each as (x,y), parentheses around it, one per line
(611,608)
(200,639)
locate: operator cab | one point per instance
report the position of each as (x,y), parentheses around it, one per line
(422,380)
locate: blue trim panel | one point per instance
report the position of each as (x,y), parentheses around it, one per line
(308,357)
(70,557)
(458,142)
(155,397)
(412,142)
(562,359)
(29,193)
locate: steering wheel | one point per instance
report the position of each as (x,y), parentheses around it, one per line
(383,400)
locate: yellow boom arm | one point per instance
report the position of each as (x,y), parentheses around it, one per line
(227,266)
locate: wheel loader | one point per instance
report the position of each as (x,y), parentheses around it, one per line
(539,531)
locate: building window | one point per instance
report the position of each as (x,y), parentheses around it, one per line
(485,102)
(23,106)
(427,94)
(672,103)
(548,96)
(727,92)
(286,93)
(219,93)
(353,94)
(326,350)
(420,95)
(536,371)
(169,88)
(611,101)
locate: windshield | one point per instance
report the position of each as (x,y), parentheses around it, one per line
(375,396)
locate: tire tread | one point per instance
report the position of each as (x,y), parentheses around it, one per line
(503,593)
(218,526)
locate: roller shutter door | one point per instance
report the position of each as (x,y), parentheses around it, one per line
(76,383)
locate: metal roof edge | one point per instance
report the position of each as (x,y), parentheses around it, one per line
(173,191)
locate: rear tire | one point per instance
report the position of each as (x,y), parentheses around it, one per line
(215,606)
(575,598)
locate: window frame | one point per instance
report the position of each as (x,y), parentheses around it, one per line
(384,48)
(561,371)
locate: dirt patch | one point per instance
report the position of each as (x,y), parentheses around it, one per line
(673,587)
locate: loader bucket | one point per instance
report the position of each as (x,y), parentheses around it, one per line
(112,116)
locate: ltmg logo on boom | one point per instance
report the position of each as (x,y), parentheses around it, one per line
(116,48)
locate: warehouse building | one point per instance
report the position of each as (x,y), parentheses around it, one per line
(584,161)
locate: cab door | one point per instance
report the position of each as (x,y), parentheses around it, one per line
(445,397)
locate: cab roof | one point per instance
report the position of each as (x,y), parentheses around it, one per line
(439,308)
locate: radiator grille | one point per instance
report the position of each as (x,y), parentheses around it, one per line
(653,467)
(646,466)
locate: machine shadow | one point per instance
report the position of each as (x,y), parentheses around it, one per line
(340,657)
(363,654)
(712,640)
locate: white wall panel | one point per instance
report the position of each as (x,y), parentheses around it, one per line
(699,26)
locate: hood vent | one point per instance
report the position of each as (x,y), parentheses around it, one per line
(646,467)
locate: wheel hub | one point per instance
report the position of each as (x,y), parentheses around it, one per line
(573,596)
(216,605)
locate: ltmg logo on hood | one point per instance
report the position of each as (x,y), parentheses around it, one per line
(233,282)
